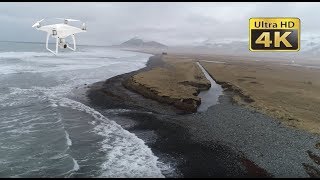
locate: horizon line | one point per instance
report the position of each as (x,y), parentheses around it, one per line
(51,43)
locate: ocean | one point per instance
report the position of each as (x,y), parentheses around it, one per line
(44,132)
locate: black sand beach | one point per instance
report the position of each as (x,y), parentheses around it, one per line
(227,140)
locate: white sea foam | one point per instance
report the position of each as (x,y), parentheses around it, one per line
(19,96)
(76,166)
(54,105)
(59,156)
(127,155)
(167,168)
(69,142)
(22,130)
(10,147)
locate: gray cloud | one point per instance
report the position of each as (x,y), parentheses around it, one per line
(169,23)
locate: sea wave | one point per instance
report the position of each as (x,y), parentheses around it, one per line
(13,54)
(21,62)
(127,155)
(69,142)
(76,166)
(33,108)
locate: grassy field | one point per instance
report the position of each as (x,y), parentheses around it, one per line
(178,83)
(288,93)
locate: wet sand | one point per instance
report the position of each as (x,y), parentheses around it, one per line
(227,140)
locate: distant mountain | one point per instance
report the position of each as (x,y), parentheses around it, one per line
(139,43)
(310,46)
(224,45)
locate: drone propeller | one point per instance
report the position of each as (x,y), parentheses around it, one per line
(66,19)
(37,23)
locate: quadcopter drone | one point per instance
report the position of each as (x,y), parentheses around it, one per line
(60,32)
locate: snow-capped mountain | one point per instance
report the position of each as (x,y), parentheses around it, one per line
(310,45)
(224,45)
(218,42)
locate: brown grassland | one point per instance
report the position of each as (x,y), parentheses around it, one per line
(288,93)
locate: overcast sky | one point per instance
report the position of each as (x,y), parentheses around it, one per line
(168,23)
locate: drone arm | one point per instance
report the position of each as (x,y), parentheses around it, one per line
(74,43)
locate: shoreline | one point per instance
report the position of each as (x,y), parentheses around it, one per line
(160,118)
(224,146)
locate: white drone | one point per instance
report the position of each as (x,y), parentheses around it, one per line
(60,32)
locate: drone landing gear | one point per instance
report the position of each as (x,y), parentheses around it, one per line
(47,45)
(74,43)
(57,44)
